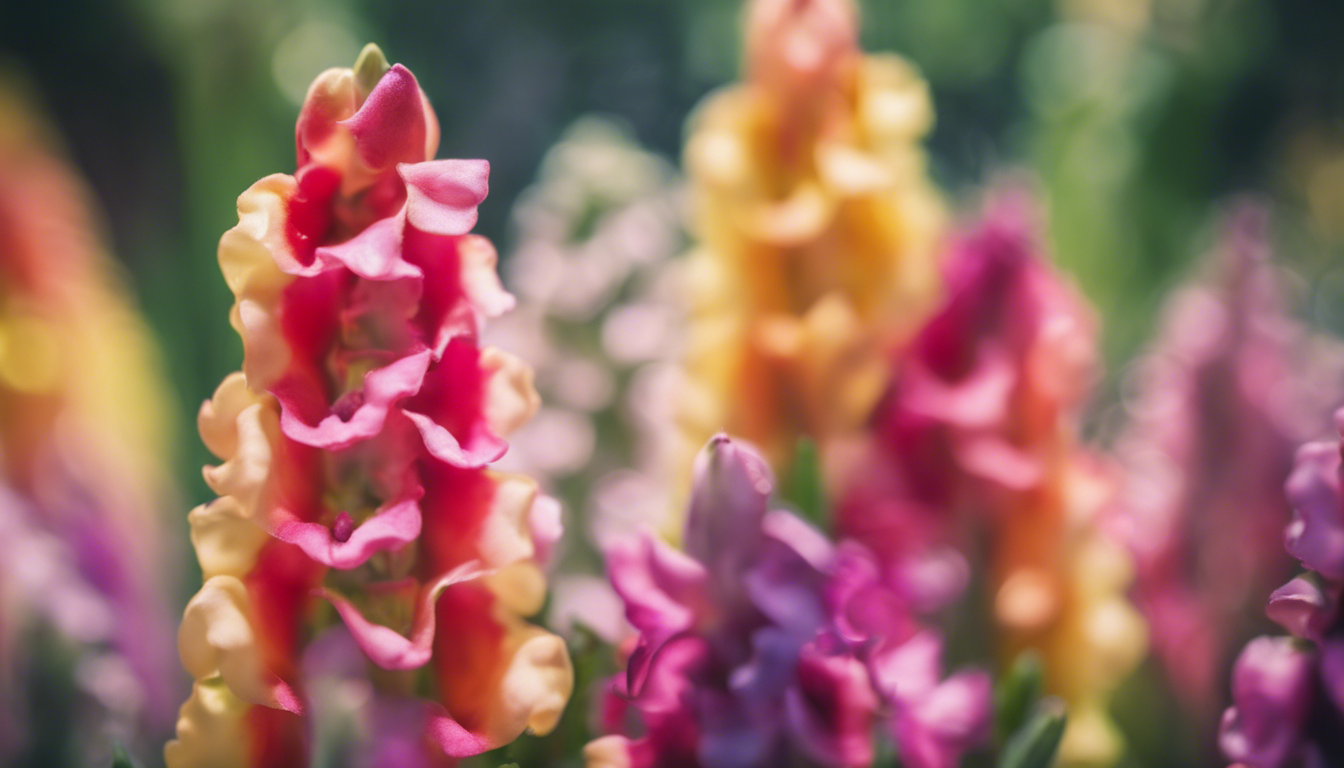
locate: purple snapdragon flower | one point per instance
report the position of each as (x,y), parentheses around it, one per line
(1288,692)
(764,639)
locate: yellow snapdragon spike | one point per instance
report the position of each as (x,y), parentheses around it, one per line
(816,226)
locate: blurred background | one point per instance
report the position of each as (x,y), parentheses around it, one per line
(1139,118)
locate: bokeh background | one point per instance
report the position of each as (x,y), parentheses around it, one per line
(1139,118)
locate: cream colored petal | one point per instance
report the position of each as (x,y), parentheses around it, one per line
(479,264)
(216,639)
(225,539)
(607,752)
(520,587)
(218,417)
(849,171)
(796,219)
(537,684)
(249,255)
(247,475)
(1091,739)
(894,102)
(510,397)
(506,533)
(211,732)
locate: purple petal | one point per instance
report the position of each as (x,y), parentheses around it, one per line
(1301,608)
(832,708)
(1272,693)
(728,501)
(1316,534)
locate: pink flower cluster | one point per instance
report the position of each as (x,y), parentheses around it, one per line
(764,639)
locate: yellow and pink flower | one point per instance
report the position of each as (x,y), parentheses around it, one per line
(359,532)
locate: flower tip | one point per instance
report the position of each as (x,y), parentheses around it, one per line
(725,457)
(794,43)
(369,68)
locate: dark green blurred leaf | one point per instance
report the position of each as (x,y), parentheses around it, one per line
(1017,693)
(1035,745)
(122,759)
(803,487)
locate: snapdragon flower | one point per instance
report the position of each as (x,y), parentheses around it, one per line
(763,640)
(979,432)
(1288,692)
(817,229)
(1232,386)
(359,535)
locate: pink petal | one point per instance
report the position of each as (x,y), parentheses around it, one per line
(382,388)
(478,262)
(390,528)
(374,254)
(390,127)
(453,738)
(545,521)
(481,447)
(663,590)
(383,645)
(1301,608)
(442,195)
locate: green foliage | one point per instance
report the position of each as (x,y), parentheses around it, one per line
(122,759)
(803,487)
(1036,743)
(1016,694)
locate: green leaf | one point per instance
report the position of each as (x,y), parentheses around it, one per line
(122,759)
(1035,745)
(1017,693)
(804,488)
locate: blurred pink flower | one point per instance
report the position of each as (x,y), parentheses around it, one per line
(1221,402)
(978,434)
(83,484)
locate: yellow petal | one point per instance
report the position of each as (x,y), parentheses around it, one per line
(211,732)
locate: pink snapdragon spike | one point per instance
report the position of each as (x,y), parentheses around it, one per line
(971,409)
(355,499)
(1222,401)
(764,639)
(978,433)
(1288,692)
